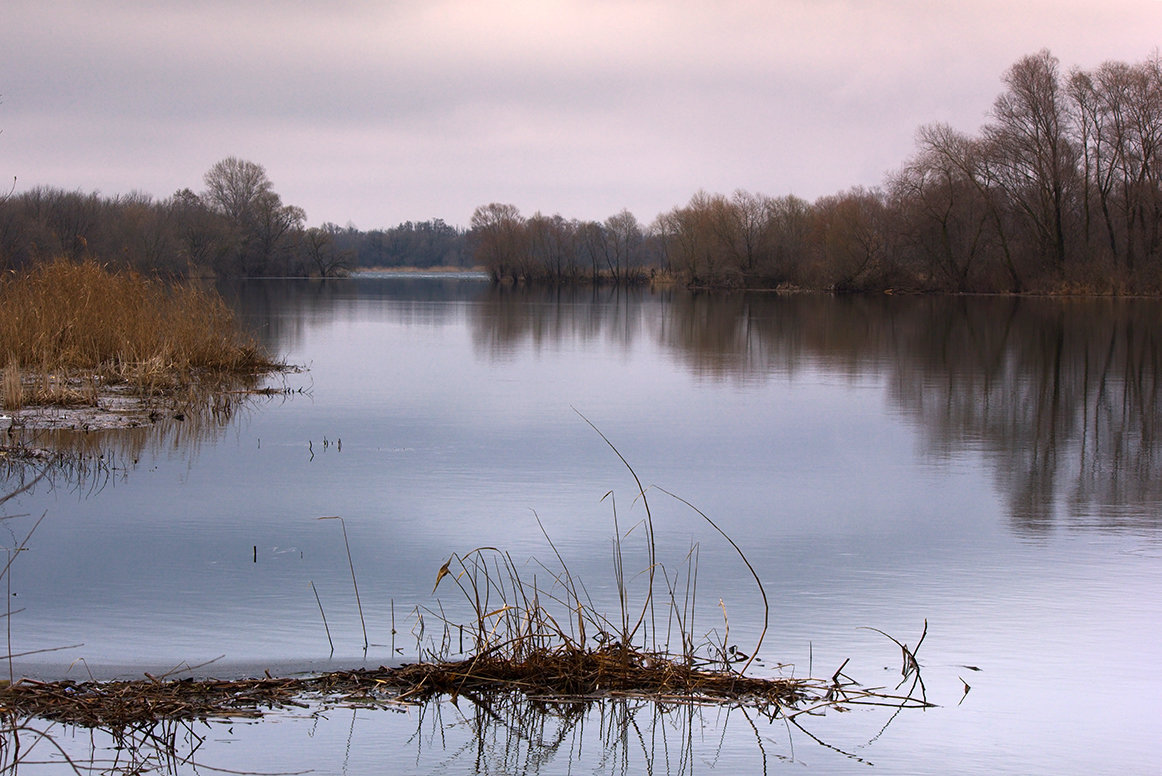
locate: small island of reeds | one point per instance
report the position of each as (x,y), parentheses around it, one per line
(84,345)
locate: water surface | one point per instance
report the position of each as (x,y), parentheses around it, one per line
(989,466)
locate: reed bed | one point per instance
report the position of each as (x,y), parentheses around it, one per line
(561,678)
(68,330)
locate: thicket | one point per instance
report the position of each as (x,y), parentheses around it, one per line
(423,245)
(237,227)
(1061,190)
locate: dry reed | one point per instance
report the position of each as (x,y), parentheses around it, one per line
(11,387)
(67,327)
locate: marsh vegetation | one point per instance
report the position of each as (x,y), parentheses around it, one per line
(115,343)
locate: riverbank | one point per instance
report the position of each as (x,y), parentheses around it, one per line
(412,270)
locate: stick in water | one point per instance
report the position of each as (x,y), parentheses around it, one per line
(324,614)
(354,583)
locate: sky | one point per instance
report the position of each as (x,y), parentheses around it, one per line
(378,112)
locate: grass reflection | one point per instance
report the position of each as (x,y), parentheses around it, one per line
(506,732)
(86,460)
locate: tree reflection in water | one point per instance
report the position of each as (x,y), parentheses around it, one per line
(1060,396)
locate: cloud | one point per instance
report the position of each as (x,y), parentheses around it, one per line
(381,112)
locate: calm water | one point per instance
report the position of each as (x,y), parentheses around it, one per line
(988,465)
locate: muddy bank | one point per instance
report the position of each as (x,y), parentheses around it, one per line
(118,408)
(113,412)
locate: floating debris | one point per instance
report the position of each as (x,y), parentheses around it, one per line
(563,676)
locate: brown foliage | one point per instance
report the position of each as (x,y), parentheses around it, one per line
(79,324)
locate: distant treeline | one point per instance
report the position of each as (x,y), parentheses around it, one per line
(424,245)
(237,227)
(1061,190)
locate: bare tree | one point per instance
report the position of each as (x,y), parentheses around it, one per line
(552,245)
(593,244)
(623,244)
(788,234)
(975,161)
(1119,128)
(234,187)
(850,238)
(241,191)
(325,258)
(498,239)
(944,213)
(692,247)
(1035,159)
(741,225)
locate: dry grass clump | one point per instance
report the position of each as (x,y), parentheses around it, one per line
(66,328)
(590,674)
(120,704)
(578,676)
(563,676)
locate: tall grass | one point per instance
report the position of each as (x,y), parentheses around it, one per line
(67,321)
(11,387)
(530,625)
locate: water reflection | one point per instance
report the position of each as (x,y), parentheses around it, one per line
(281,311)
(507,318)
(1060,396)
(88,460)
(508,733)
(513,734)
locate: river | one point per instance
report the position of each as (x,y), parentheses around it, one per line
(987,468)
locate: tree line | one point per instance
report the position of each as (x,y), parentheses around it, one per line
(238,226)
(423,244)
(1060,190)
(511,247)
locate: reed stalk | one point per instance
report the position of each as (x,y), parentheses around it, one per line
(324,616)
(12,386)
(354,581)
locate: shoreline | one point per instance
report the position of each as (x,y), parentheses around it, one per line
(413,270)
(117,408)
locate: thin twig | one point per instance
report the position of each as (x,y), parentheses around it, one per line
(354,582)
(741,554)
(324,616)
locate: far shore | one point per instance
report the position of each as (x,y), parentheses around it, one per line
(441,270)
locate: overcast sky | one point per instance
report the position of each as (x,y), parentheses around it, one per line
(377,112)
